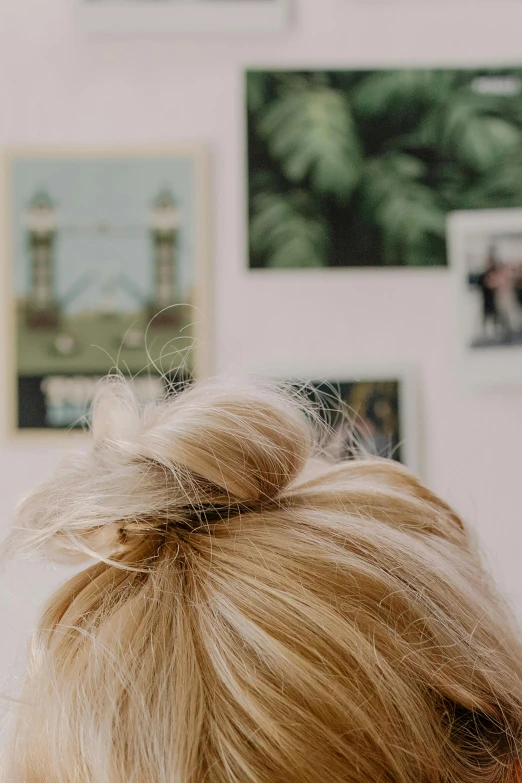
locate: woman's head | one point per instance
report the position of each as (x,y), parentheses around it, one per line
(256,614)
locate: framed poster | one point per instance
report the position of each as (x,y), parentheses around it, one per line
(108,266)
(486,256)
(370,409)
(370,414)
(361,168)
(184,16)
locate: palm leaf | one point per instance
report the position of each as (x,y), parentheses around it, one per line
(310,130)
(287,231)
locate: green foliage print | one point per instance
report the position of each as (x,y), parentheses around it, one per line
(361,168)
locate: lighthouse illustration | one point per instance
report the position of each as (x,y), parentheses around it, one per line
(43,311)
(164,223)
(47,308)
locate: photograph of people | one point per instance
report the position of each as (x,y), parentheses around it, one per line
(486,257)
(499,284)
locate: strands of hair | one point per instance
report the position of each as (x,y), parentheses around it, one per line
(253,611)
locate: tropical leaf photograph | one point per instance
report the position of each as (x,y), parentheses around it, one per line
(362,168)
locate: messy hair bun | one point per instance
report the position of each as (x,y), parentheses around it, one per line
(216,449)
(256,613)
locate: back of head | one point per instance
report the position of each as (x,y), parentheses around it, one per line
(255,613)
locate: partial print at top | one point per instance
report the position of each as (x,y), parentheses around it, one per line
(361,168)
(184,16)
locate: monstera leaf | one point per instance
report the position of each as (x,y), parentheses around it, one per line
(486,140)
(399,92)
(287,231)
(500,185)
(466,129)
(404,210)
(309,129)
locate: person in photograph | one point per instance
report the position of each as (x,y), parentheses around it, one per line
(379,425)
(504,285)
(252,612)
(484,283)
(518,284)
(492,283)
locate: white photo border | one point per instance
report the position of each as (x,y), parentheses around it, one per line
(480,368)
(184,17)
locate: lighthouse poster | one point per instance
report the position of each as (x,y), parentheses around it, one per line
(108,275)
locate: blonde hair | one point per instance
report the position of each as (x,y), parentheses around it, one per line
(256,613)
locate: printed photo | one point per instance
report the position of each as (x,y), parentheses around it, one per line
(184,16)
(369,416)
(495,280)
(361,168)
(486,253)
(108,273)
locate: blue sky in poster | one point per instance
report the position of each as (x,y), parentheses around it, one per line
(92,191)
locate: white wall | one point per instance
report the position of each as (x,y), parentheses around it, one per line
(58,86)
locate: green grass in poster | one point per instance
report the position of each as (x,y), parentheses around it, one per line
(96,344)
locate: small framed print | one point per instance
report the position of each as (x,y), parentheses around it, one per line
(184,16)
(368,410)
(373,414)
(108,265)
(486,256)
